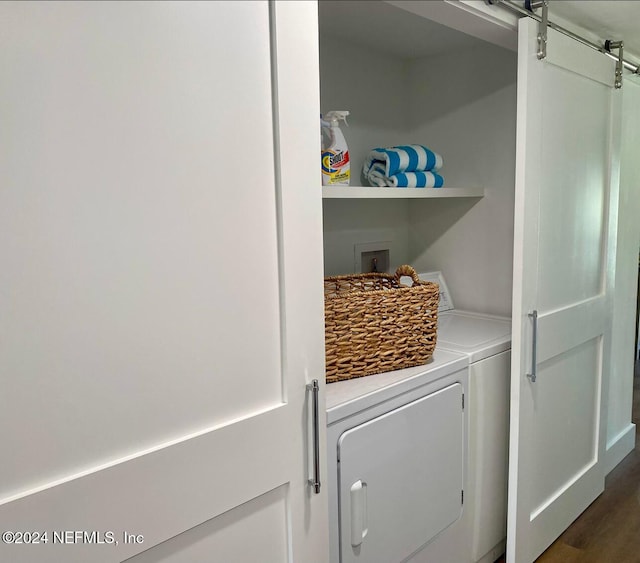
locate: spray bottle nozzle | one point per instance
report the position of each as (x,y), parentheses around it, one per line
(337,116)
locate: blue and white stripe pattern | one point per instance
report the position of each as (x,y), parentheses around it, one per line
(418,179)
(405,158)
(412,166)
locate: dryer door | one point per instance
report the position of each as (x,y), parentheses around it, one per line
(401,478)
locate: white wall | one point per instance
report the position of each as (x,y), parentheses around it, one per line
(620,431)
(372,86)
(463,106)
(351,222)
(473,126)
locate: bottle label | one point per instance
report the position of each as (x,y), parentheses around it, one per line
(335,167)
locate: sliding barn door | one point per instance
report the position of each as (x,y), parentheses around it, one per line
(160,282)
(567,119)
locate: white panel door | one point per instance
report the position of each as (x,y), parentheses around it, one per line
(161,297)
(401,478)
(567,118)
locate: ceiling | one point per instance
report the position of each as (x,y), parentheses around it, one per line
(607,19)
(380,26)
(385,28)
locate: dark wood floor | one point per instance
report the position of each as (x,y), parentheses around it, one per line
(609,530)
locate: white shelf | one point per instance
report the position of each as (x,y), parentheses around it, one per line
(365,192)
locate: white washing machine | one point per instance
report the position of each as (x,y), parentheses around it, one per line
(486,340)
(397,451)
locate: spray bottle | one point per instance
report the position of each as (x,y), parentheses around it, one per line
(336,169)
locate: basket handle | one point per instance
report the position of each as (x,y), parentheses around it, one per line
(407,271)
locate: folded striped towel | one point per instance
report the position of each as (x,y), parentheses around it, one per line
(419,179)
(405,158)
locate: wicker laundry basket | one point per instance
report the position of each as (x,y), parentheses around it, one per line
(373,323)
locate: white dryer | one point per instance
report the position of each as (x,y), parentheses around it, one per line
(486,340)
(396,451)
(417,458)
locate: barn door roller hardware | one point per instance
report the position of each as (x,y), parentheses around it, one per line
(609,46)
(532,6)
(545,23)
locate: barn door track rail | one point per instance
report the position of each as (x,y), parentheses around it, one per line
(606,47)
